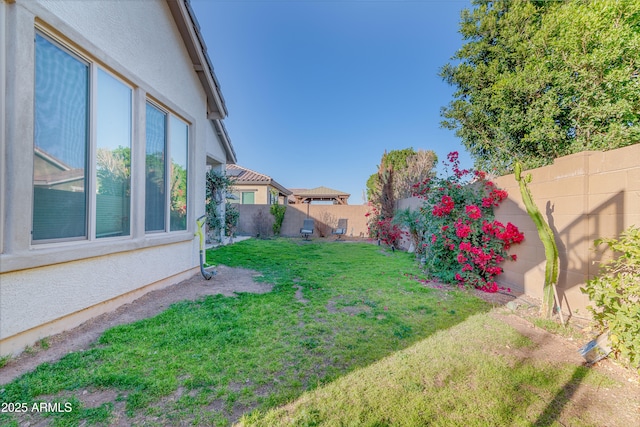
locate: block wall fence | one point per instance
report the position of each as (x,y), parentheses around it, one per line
(583,197)
(256,218)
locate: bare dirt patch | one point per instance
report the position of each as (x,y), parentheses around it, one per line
(606,403)
(352,310)
(299,296)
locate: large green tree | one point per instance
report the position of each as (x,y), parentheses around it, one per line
(536,80)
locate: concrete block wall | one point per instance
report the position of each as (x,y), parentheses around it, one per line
(583,197)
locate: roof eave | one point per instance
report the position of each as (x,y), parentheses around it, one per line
(190,32)
(224,136)
(281,189)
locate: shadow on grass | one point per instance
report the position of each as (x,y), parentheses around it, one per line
(554,409)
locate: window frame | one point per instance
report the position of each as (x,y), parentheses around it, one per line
(19,250)
(253,195)
(87,172)
(168,149)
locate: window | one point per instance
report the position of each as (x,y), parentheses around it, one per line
(248,198)
(60,143)
(235,197)
(178,195)
(155,181)
(165,133)
(82,153)
(113,192)
(65,105)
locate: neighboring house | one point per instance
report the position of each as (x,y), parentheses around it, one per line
(318,194)
(110,116)
(253,188)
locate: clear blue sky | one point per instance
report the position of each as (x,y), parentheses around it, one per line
(317,90)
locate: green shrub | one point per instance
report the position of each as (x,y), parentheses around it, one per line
(278,212)
(463,243)
(414,222)
(615,294)
(231,217)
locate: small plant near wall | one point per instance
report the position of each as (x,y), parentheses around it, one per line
(326,222)
(382,228)
(261,224)
(462,241)
(217,186)
(231,217)
(278,212)
(413,221)
(615,295)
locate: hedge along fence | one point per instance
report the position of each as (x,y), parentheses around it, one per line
(256,219)
(583,197)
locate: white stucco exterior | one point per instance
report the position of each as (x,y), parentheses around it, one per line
(46,288)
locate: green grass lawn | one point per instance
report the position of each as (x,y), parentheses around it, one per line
(369,345)
(452,378)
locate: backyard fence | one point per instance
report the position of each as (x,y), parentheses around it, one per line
(256,220)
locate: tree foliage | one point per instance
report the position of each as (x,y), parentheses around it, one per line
(383,203)
(419,167)
(384,197)
(537,80)
(114,171)
(409,167)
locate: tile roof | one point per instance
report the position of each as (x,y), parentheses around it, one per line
(319,191)
(242,175)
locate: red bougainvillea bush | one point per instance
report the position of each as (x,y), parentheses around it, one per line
(464,244)
(383,229)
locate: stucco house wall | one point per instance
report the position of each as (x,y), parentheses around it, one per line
(261,193)
(48,287)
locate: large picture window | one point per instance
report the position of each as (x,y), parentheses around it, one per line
(83,142)
(65,105)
